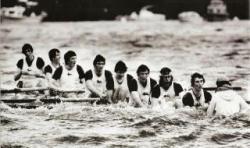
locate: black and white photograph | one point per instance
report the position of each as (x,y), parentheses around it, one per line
(124,73)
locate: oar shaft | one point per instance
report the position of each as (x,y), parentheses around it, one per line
(54,100)
(214,88)
(25,90)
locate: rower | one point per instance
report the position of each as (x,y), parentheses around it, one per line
(70,76)
(196,96)
(54,56)
(30,69)
(146,87)
(225,101)
(99,81)
(169,89)
(125,86)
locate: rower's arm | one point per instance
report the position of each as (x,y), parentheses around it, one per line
(155,101)
(109,95)
(48,77)
(32,73)
(54,84)
(92,89)
(18,75)
(135,96)
(211,107)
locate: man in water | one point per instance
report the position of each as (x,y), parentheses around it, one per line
(54,56)
(70,76)
(125,86)
(148,88)
(169,90)
(100,82)
(30,68)
(49,70)
(196,96)
(225,101)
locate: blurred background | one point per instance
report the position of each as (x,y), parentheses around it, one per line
(81,10)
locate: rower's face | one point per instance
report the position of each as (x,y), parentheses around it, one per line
(120,75)
(143,75)
(28,53)
(166,78)
(57,57)
(99,66)
(198,83)
(72,61)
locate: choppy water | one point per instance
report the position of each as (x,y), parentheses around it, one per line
(210,48)
(84,125)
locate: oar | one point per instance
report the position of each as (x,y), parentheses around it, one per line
(19,90)
(214,88)
(53,100)
(25,90)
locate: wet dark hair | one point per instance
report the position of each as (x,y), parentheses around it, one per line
(120,67)
(27,46)
(52,53)
(98,58)
(196,75)
(165,71)
(68,55)
(141,68)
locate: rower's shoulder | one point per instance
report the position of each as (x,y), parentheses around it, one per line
(47,69)
(107,73)
(88,75)
(40,58)
(153,82)
(79,68)
(177,86)
(130,77)
(20,63)
(207,94)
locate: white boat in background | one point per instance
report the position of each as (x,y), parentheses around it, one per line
(14,13)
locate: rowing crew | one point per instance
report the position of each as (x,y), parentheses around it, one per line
(142,91)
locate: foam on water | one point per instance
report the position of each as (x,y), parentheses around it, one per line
(70,124)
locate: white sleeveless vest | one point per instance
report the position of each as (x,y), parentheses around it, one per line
(70,79)
(202,99)
(124,83)
(53,68)
(30,81)
(32,68)
(121,91)
(99,82)
(144,92)
(167,95)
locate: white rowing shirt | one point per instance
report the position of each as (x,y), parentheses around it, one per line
(121,89)
(53,68)
(99,82)
(167,95)
(124,83)
(201,101)
(30,69)
(70,79)
(144,92)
